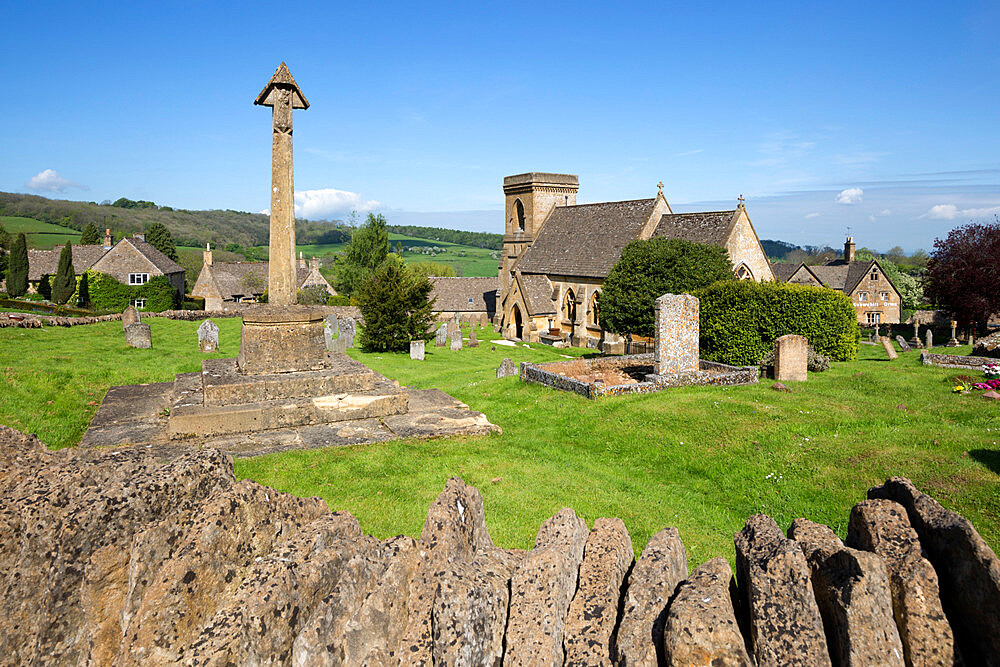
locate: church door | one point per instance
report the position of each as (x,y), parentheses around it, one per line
(518,324)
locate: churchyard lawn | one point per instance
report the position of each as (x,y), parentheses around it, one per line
(699,458)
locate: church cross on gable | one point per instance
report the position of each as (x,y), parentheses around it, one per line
(557,253)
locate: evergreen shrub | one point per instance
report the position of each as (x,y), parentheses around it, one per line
(396,306)
(741,320)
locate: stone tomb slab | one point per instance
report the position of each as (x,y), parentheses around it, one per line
(225,385)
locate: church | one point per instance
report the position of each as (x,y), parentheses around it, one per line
(556,254)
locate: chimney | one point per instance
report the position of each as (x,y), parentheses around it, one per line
(302,261)
(849,249)
(207,255)
(107,239)
(140,237)
(314,263)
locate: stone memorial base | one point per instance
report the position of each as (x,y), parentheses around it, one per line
(282,340)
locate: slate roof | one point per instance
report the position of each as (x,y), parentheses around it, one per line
(784,270)
(585,240)
(41,262)
(159,260)
(537,293)
(230,276)
(465,294)
(711,227)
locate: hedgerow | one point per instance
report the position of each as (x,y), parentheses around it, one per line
(741,320)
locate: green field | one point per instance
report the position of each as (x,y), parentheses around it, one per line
(700,458)
(40,235)
(465,260)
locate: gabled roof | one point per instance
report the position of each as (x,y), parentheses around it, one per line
(41,262)
(537,293)
(834,277)
(464,294)
(586,240)
(158,259)
(784,270)
(712,227)
(231,277)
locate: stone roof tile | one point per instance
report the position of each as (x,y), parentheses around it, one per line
(710,227)
(41,262)
(458,295)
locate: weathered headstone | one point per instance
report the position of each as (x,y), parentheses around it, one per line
(506,369)
(903,345)
(331,327)
(791,356)
(676,346)
(441,337)
(929,338)
(454,326)
(889,349)
(473,340)
(129,317)
(348,328)
(953,342)
(972,338)
(456,340)
(208,336)
(138,335)
(417,350)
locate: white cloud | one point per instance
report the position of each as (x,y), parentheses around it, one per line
(686,153)
(810,216)
(330,203)
(950,212)
(49,180)
(850,196)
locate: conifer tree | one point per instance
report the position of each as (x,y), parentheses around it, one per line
(158,236)
(83,297)
(91,235)
(45,288)
(17,267)
(64,283)
(396,307)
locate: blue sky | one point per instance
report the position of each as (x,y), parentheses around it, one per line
(881,117)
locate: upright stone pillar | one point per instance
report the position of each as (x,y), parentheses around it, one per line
(791,358)
(954,339)
(677,327)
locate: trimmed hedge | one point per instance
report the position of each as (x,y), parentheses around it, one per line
(741,320)
(108,294)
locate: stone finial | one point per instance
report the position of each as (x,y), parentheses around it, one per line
(741,200)
(659,186)
(282,78)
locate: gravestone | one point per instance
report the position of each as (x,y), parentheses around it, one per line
(453,326)
(129,317)
(138,335)
(348,328)
(791,356)
(417,350)
(903,345)
(331,327)
(915,342)
(506,369)
(473,340)
(972,338)
(676,347)
(456,340)
(953,342)
(928,338)
(889,349)
(208,336)
(441,337)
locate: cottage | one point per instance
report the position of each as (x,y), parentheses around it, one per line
(470,299)
(225,284)
(131,261)
(557,254)
(875,298)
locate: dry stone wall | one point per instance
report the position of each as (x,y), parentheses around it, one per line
(108,557)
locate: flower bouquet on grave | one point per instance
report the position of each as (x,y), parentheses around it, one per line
(992,371)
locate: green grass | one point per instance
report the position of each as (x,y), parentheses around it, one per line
(40,235)
(700,458)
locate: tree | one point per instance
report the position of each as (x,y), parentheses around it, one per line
(963,274)
(45,288)
(911,294)
(64,284)
(367,250)
(396,307)
(649,269)
(432,269)
(158,236)
(91,235)
(83,297)
(17,267)
(4,238)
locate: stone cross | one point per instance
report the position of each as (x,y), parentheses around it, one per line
(208,336)
(282,94)
(954,338)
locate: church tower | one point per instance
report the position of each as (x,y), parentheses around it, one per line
(529,200)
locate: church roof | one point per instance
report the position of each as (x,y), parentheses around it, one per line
(586,240)
(712,227)
(464,294)
(41,262)
(537,293)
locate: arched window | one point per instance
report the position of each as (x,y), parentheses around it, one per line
(569,306)
(595,315)
(519,214)
(744,273)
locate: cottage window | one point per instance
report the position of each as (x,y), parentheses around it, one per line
(139,303)
(862,296)
(874,274)
(874,318)
(138,278)
(884,296)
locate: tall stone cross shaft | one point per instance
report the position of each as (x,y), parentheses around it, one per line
(282,94)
